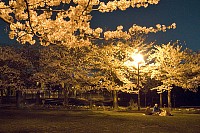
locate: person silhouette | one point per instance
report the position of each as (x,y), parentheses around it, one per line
(156,109)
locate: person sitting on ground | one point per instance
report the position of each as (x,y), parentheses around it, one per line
(148,111)
(165,112)
(156,109)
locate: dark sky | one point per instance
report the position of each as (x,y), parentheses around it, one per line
(185,13)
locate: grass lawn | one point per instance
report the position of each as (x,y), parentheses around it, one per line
(25,121)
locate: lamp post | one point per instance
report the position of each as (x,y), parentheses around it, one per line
(138,84)
(138,59)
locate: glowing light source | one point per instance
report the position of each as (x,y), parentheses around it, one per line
(138,59)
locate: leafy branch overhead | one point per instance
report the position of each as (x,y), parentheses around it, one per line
(67,22)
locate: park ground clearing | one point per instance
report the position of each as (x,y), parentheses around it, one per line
(54,121)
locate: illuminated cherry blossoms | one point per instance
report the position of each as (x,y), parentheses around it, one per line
(67,22)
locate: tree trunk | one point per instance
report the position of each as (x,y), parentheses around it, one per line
(19,98)
(90,101)
(49,93)
(161,99)
(115,104)
(8,94)
(169,99)
(139,105)
(24,98)
(145,99)
(59,93)
(75,93)
(66,101)
(1,101)
(38,98)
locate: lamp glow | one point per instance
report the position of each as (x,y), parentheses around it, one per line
(138,58)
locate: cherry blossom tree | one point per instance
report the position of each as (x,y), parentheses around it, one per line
(185,76)
(105,64)
(67,22)
(59,65)
(191,78)
(9,78)
(14,71)
(168,67)
(112,63)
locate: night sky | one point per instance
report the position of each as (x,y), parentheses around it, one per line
(185,13)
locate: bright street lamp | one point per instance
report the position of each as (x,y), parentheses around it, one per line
(138,59)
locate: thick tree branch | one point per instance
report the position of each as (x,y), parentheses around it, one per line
(29,19)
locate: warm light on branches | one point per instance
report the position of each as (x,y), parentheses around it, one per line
(67,22)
